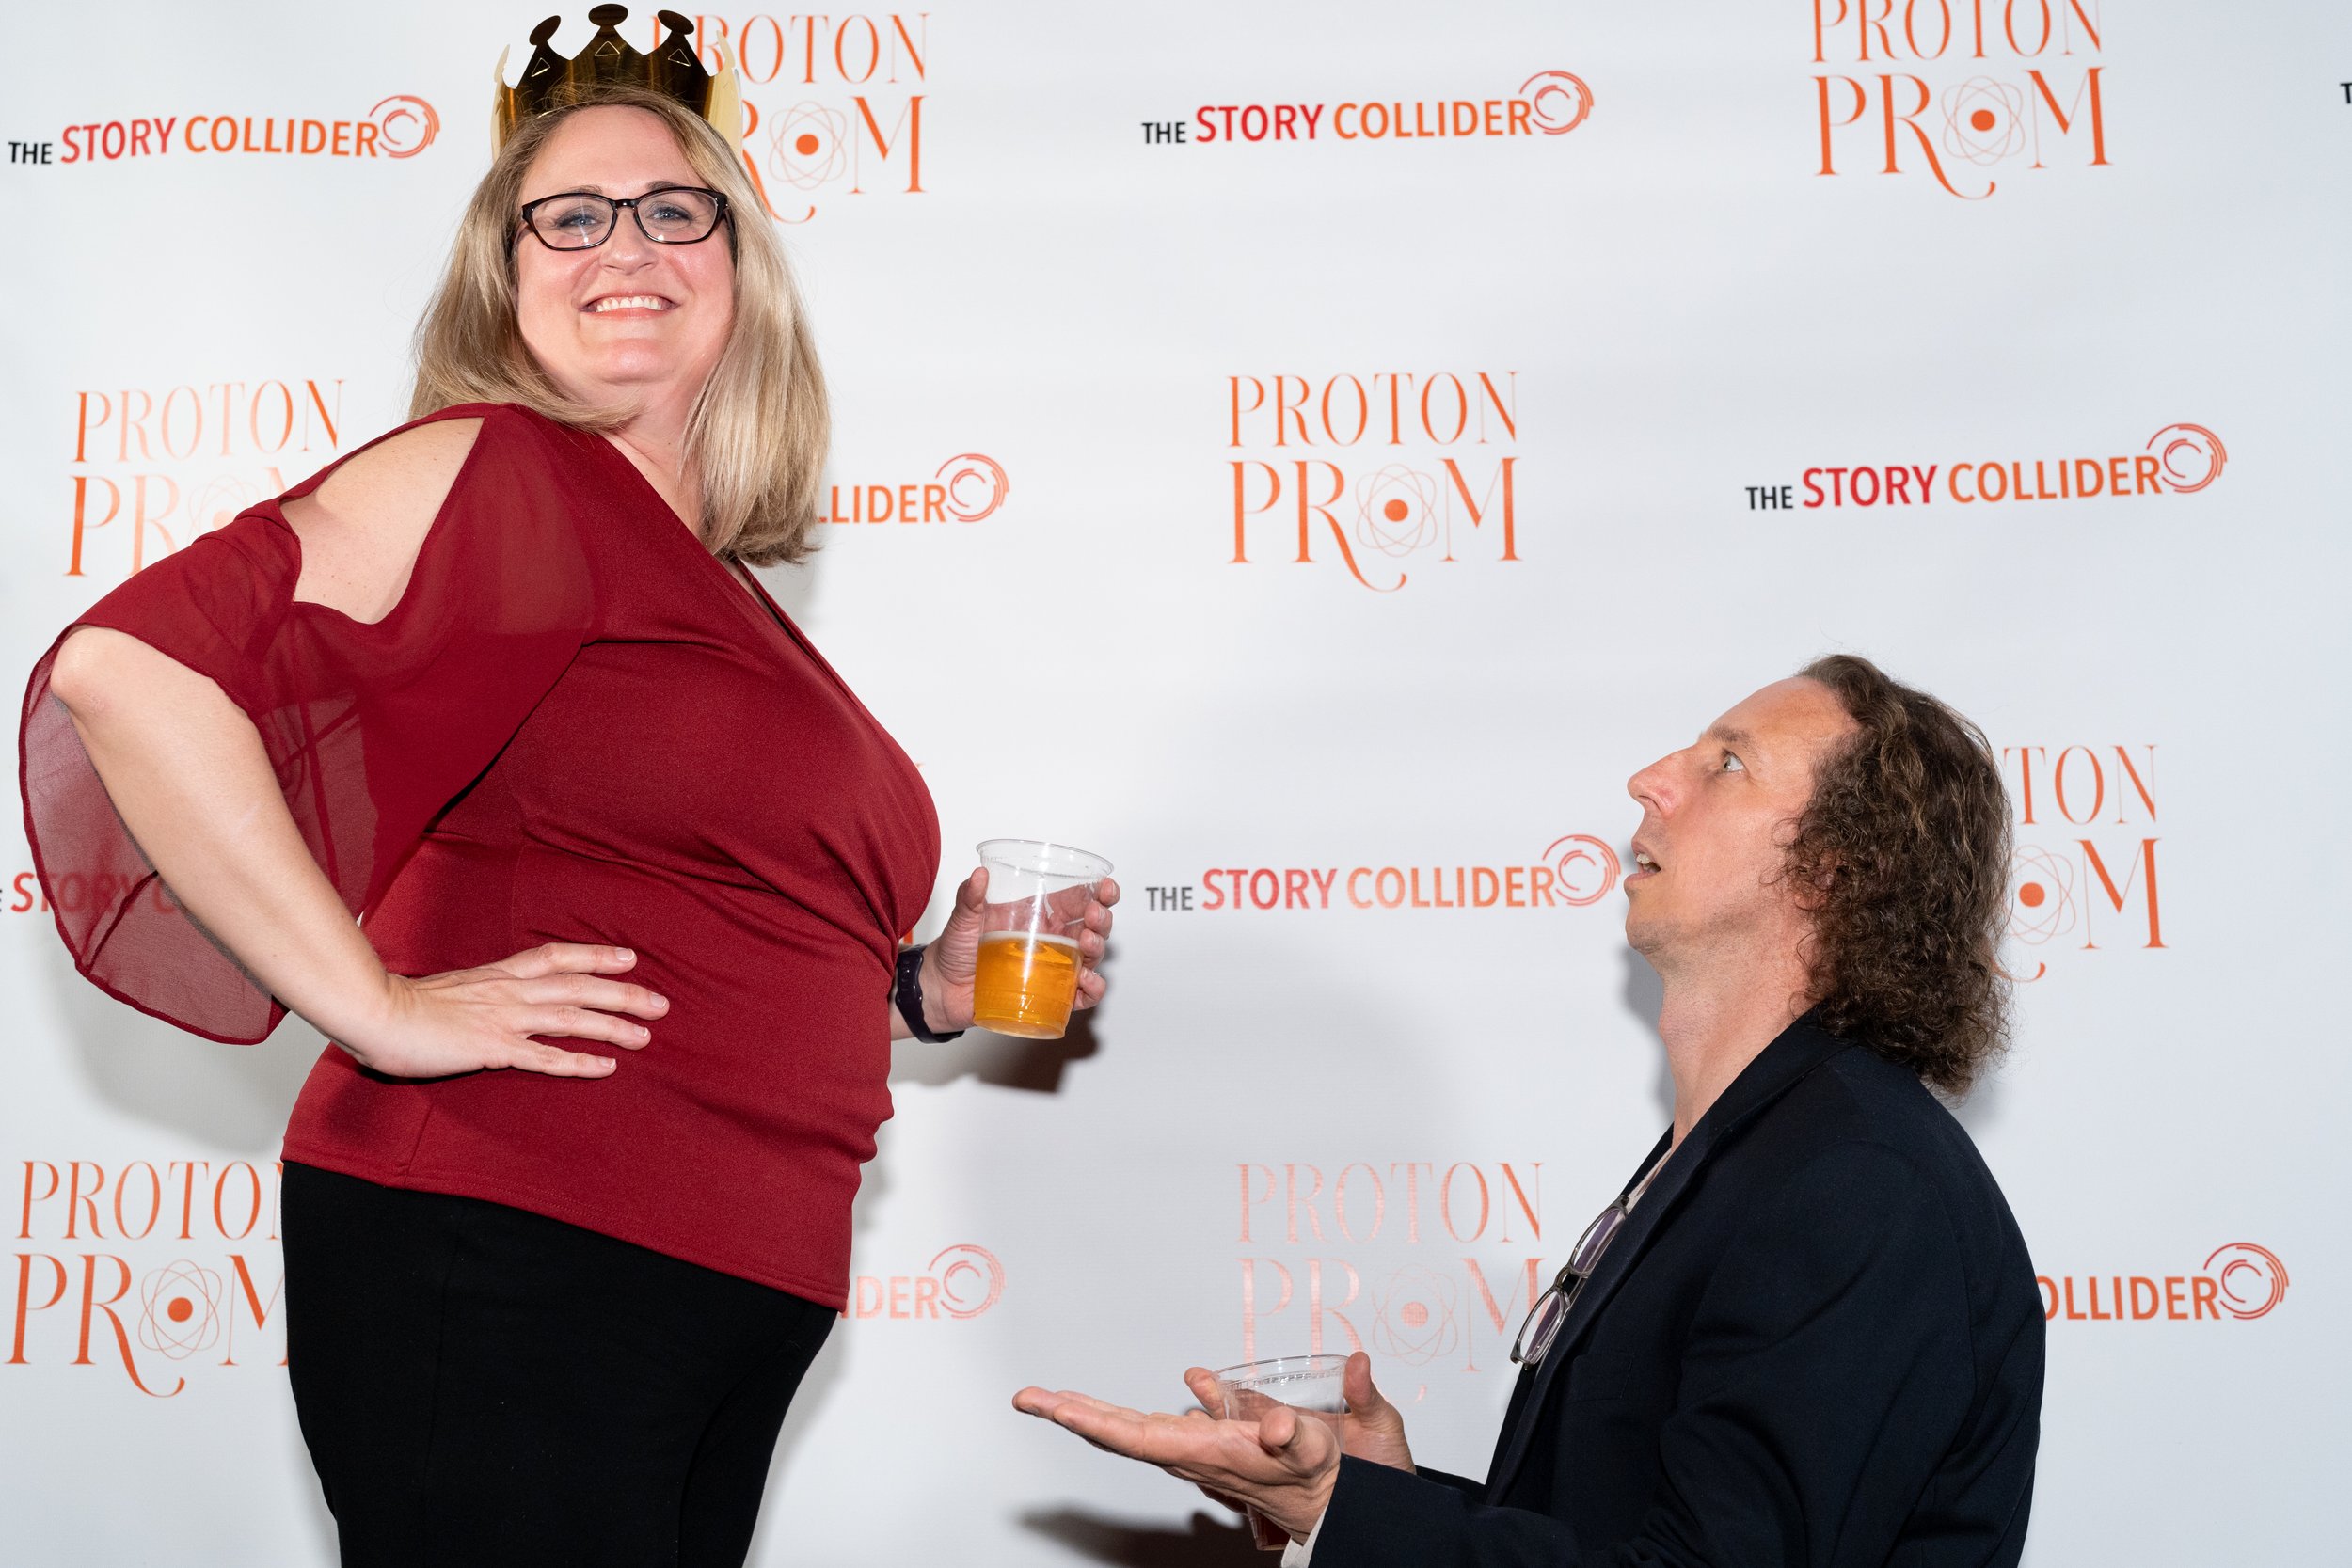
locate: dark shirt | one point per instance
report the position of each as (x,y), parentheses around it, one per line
(1816,1340)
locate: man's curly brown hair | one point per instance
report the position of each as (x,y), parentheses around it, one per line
(1903,856)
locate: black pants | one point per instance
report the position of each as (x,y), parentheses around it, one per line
(479,1385)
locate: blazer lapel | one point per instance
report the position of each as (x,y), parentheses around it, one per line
(1797,1050)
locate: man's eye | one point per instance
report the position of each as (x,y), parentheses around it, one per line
(1732,764)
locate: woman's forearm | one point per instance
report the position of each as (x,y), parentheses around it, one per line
(188,773)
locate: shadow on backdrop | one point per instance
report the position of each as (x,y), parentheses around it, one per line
(1204,1542)
(1036,1066)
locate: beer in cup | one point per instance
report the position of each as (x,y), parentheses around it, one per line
(1038,894)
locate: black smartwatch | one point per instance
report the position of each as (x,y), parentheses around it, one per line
(908,994)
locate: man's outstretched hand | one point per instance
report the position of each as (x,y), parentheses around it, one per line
(1283,1465)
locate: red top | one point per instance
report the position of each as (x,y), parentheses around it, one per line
(575,725)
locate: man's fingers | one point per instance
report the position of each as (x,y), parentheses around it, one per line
(1045,1402)
(1204,1387)
(1278,1427)
(1034,1400)
(1356,1383)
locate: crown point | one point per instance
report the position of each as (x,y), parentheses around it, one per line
(608,16)
(546,30)
(676,23)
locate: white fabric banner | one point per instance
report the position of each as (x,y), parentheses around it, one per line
(1380,429)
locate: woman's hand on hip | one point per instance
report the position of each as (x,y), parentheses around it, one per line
(469,1019)
(952,961)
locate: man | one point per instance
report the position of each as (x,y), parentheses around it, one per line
(1807,1331)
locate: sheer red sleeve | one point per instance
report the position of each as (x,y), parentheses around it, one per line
(373,728)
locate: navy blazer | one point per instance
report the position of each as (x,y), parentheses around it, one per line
(1816,1341)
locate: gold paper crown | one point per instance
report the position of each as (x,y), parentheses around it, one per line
(674,69)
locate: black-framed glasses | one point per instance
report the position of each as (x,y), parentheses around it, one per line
(1550,1309)
(582,220)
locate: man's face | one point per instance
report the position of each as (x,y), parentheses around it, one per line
(1716,817)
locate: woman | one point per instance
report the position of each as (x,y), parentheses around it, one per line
(500,681)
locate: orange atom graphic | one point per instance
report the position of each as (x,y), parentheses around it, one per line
(180,1310)
(1415,1323)
(2046,895)
(1395,510)
(808,146)
(1983,120)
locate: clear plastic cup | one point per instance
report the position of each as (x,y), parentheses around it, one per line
(1038,894)
(1311,1385)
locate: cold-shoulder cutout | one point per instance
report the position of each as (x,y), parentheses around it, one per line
(385,626)
(361,528)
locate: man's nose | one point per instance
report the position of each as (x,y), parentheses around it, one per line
(1652,785)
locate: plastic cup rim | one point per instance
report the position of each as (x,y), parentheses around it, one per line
(1250,1372)
(1101,866)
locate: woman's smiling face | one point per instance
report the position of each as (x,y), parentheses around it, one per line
(629,320)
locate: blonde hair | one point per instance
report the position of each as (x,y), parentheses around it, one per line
(757,431)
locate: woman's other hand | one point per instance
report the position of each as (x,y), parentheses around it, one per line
(951,961)
(469,1019)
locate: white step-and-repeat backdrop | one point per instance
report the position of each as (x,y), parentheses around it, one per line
(1313,453)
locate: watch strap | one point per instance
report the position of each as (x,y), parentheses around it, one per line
(908,992)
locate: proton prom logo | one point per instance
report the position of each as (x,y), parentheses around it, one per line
(151,1270)
(1414,1260)
(831,103)
(1957,89)
(2083,869)
(1548,103)
(1380,472)
(153,467)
